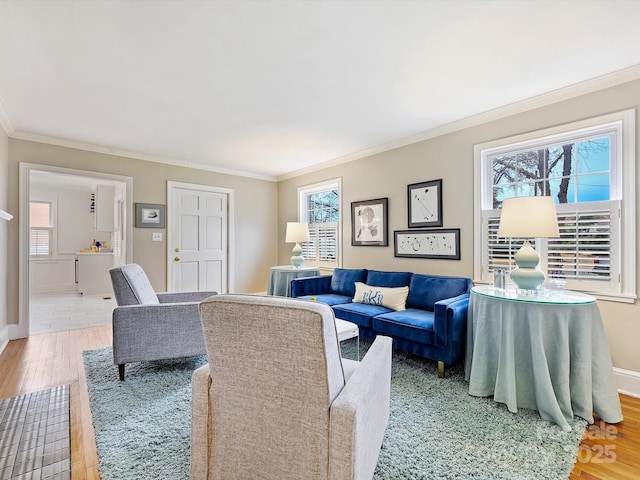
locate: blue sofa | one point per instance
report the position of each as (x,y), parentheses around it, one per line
(433,325)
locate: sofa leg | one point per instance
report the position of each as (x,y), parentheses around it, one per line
(441,369)
(121,371)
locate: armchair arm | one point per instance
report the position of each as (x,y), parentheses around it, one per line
(179,297)
(155,332)
(200,385)
(359,415)
(450,325)
(310,285)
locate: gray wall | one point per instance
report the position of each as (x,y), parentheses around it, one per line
(450,157)
(4,227)
(255,211)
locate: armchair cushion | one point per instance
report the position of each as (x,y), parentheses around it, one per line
(131,286)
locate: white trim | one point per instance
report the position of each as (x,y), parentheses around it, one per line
(22,329)
(5,215)
(230,193)
(62,142)
(628,382)
(4,338)
(565,93)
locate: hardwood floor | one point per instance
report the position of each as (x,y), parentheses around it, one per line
(607,452)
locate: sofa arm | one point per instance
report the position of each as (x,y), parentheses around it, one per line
(450,325)
(200,385)
(179,297)
(359,415)
(156,332)
(316,285)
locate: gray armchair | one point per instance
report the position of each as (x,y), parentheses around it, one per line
(276,401)
(153,326)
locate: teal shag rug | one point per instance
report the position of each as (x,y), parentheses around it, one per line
(436,429)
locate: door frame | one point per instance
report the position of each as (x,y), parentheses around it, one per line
(230,193)
(23,261)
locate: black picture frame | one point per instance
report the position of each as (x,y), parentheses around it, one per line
(424,204)
(150,215)
(442,244)
(369,223)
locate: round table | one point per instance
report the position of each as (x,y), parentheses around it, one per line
(547,352)
(280,278)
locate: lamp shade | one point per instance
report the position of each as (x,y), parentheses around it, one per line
(528,217)
(297,232)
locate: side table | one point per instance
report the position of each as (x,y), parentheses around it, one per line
(546,352)
(280,278)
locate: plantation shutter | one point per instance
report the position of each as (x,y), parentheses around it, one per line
(581,255)
(323,243)
(39,241)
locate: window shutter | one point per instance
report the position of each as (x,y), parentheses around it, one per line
(583,250)
(322,246)
(39,241)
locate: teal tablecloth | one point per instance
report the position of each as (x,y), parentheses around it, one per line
(280,278)
(549,356)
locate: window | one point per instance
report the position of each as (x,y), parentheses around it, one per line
(588,169)
(40,228)
(319,205)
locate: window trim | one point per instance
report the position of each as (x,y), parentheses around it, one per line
(53,236)
(622,187)
(318,187)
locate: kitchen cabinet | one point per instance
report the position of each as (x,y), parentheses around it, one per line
(92,273)
(104,216)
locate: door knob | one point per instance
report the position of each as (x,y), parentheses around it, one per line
(177,249)
(177,259)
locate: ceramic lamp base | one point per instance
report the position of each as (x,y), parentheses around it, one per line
(526,276)
(296,258)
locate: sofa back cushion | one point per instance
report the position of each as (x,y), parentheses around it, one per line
(343,280)
(426,290)
(388,279)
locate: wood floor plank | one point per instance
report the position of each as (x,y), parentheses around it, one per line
(47,360)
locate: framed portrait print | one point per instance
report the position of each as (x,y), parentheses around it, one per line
(443,244)
(369,223)
(150,215)
(425,204)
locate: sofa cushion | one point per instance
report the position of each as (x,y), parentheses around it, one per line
(328,298)
(359,313)
(426,290)
(393,298)
(343,281)
(412,324)
(388,279)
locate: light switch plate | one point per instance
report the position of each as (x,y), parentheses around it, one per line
(157,236)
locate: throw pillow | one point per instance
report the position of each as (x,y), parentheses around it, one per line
(393,298)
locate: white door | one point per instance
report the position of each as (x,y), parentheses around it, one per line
(198,243)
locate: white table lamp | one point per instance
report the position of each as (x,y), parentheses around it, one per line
(528,217)
(297,232)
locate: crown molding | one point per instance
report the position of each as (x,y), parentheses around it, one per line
(576,90)
(62,142)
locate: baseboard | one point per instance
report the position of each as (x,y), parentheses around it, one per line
(628,382)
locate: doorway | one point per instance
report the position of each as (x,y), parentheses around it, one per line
(49,296)
(199,238)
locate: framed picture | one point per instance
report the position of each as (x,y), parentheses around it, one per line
(369,223)
(442,244)
(425,204)
(150,215)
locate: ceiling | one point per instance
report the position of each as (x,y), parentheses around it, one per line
(267,88)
